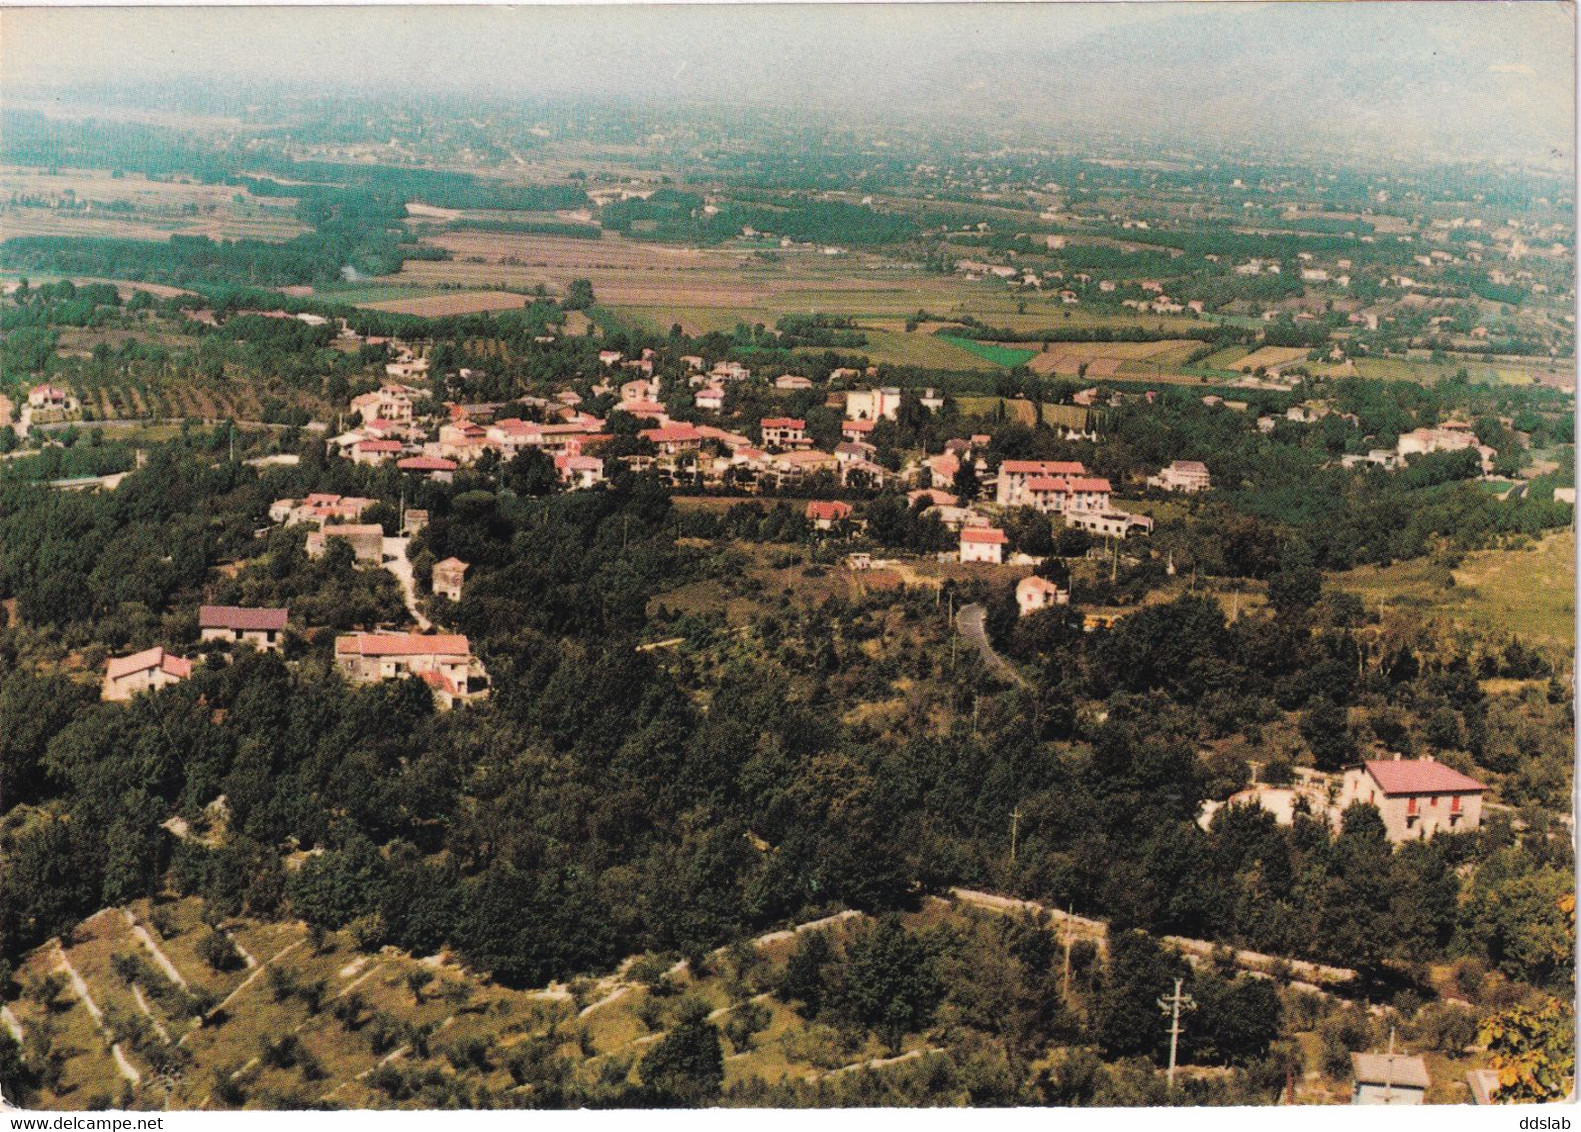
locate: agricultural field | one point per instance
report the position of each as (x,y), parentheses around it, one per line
(167,1005)
(1558,373)
(132,206)
(1015,409)
(1528,592)
(713,289)
(451,303)
(1109,359)
(992,351)
(1271,357)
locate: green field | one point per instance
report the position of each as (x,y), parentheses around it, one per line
(999,355)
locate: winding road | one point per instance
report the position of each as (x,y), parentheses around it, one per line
(969,622)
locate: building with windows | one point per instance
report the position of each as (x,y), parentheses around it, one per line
(983,544)
(1415,797)
(261,628)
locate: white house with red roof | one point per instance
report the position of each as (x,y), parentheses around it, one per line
(647,410)
(983,544)
(579,472)
(1014,474)
(390,402)
(673,439)
(857,430)
(146,671)
(260,627)
(1034,593)
(48,396)
(711,398)
(1415,797)
(371,452)
(942,471)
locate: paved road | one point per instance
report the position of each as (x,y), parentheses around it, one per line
(396,562)
(969,622)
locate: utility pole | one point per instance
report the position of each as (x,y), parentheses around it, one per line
(1172,1006)
(1070,927)
(1015,829)
(1388,1072)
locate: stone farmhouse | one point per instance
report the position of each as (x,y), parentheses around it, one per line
(262,628)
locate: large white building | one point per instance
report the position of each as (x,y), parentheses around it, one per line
(1184,476)
(872,404)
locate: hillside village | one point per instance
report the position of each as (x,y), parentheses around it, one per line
(524,606)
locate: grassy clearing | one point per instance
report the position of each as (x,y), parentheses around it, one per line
(1529,592)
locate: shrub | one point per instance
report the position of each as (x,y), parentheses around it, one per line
(219,951)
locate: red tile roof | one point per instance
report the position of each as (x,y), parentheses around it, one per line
(378,446)
(671,434)
(240,618)
(402,644)
(155,657)
(827,509)
(440,682)
(1420,776)
(426,464)
(990,535)
(782,422)
(1067,486)
(1043,467)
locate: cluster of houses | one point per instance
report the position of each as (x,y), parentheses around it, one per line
(443,661)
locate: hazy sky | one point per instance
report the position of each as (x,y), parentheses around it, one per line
(1487,77)
(523,47)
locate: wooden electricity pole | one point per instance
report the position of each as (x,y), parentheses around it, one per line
(1172,1006)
